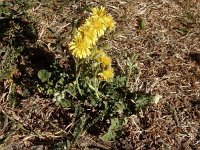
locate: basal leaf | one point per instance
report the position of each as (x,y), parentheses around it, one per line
(44,75)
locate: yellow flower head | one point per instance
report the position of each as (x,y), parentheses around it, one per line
(80,46)
(109,22)
(103,58)
(107,74)
(97,25)
(98,12)
(89,32)
(105,61)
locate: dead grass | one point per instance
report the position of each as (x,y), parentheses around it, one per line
(167,70)
(168,62)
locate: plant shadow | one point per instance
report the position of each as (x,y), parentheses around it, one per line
(25,58)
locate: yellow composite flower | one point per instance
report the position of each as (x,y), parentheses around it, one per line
(103,58)
(109,22)
(101,14)
(97,25)
(98,12)
(105,61)
(107,74)
(89,32)
(80,46)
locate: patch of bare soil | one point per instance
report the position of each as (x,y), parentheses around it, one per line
(168,52)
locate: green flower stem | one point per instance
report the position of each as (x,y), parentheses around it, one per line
(96,87)
(96,83)
(78,72)
(78,87)
(127,81)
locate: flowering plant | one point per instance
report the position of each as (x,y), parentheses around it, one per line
(83,45)
(88,86)
(88,34)
(91,62)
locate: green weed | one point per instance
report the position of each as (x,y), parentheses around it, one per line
(98,98)
(96,102)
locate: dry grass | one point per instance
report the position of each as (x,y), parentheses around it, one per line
(167,69)
(169,61)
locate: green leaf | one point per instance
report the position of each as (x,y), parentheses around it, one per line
(115,126)
(44,75)
(143,100)
(61,99)
(142,24)
(79,128)
(108,136)
(119,107)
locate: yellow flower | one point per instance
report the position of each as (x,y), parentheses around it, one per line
(80,46)
(103,58)
(107,74)
(98,12)
(101,14)
(109,22)
(89,32)
(97,25)
(105,61)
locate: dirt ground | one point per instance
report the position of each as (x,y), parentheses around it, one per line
(168,48)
